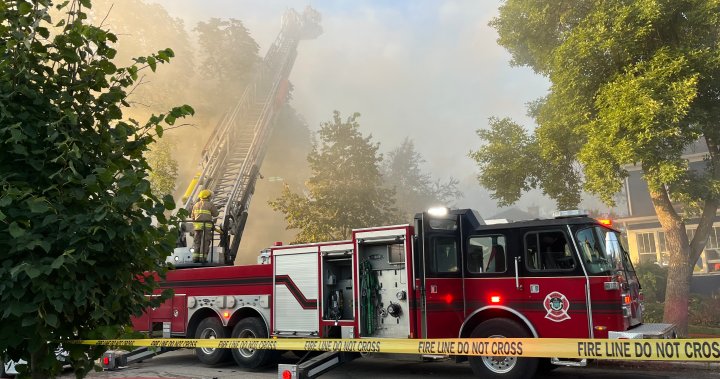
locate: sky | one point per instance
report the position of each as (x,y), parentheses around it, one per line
(428,70)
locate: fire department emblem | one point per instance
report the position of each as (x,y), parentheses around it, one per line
(556,305)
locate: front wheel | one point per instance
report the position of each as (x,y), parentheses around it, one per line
(251,327)
(211,328)
(502,367)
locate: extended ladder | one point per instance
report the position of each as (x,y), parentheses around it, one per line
(234,152)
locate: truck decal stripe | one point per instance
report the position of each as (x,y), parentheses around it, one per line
(217,282)
(526,306)
(304,302)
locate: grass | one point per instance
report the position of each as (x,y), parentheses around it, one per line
(703,331)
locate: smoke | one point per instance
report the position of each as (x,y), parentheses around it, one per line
(431,71)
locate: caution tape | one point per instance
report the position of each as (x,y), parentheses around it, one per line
(706,350)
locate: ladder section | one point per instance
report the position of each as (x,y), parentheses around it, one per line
(233,154)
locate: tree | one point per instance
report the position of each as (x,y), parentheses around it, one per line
(230,57)
(76,210)
(163,168)
(345,190)
(143,27)
(415,190)
(631,83)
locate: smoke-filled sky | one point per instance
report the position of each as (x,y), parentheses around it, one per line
(424,69)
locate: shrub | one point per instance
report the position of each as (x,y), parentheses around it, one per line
(653,279)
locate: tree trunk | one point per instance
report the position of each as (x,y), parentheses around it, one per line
(36,359)
(680,268)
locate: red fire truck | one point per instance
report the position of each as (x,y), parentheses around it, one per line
(448,275)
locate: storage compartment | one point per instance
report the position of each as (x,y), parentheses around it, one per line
(337,287)
(383,281)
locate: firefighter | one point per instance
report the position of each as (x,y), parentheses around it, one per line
(202,213)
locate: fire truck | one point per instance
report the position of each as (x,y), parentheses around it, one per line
(447,275)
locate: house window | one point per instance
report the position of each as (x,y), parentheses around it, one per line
(646,247)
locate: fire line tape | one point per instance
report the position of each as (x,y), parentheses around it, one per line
(705,350)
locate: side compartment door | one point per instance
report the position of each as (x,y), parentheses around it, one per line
(443,287)
(296,285)
(179,314)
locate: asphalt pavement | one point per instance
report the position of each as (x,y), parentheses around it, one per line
(182,364)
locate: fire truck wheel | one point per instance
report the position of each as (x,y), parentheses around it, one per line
(211,328)
(251,327)
(502,367)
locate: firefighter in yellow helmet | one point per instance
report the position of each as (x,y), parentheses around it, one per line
(202,214)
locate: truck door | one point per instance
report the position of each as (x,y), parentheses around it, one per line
(444,306)
(555,284)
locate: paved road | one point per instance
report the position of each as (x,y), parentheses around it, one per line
(182,364)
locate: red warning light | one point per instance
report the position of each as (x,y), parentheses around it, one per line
(106,361)
(495,299)
(448,298)
(287,374)
(226,314)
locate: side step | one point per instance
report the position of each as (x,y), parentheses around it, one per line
(316,366)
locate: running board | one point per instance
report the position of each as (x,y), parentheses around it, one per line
(569,363)
(316,366)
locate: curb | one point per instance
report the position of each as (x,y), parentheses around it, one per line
(658,365)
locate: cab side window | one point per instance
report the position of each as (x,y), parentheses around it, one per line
(486,254)
(548,251)
(444,255)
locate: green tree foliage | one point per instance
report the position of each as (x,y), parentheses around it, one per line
(230,56)
(345,190)
(415,189)
(631,83)
(76,208)
(507,142)
(163,168)
(142,27)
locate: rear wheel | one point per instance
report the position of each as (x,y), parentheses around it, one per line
(502,367)
(252,327)
(211,328)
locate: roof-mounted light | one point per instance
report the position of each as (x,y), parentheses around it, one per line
(438,211)
(605,222)
(570,213)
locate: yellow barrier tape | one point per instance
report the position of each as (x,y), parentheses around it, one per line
(706,350)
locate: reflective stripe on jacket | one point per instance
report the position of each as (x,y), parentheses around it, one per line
(202,213)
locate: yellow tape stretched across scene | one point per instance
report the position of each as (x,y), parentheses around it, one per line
(706,349)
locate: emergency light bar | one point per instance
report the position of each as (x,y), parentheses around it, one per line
(437,211)
(570,213)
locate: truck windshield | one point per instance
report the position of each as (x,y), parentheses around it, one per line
(597,257)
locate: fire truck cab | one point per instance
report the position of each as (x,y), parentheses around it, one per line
(449,275)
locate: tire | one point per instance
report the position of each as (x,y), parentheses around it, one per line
(252,327)
(211,328)
(502,367)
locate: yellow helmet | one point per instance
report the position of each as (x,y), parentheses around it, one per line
(205,194)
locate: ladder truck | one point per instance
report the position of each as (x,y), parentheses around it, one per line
(233,154)
(449,274)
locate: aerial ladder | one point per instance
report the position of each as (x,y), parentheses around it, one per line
(231,159)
